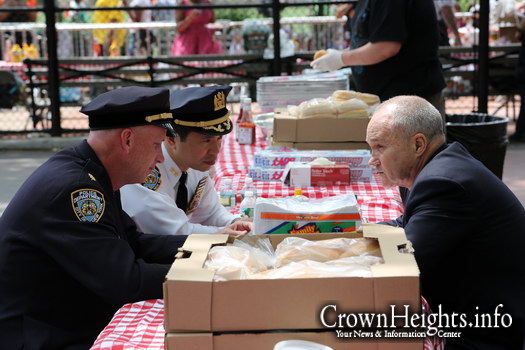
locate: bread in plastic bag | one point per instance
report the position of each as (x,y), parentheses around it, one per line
(355,266)
(294,249)
(237,261)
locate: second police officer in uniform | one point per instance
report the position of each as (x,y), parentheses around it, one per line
(178,196)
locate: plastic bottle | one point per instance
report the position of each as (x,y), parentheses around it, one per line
(247,205)
(228,194)
(246,134)
(248,186)
(298,195)
(239,118)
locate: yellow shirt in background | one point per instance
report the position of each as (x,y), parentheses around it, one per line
(115,16)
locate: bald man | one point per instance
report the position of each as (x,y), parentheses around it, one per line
(466,226)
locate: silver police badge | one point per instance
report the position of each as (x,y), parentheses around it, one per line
(88,204)
(153,180)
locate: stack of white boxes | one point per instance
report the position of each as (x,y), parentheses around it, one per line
(269,164)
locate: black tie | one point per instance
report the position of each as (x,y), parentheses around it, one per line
(182,193)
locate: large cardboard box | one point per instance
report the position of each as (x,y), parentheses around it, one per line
(194,303)
(267,341)
(289,129)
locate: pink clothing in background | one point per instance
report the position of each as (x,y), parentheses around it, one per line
(196,39)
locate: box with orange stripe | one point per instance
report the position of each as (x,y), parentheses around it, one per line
(294,215)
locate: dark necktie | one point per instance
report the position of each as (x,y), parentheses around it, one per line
(182,193)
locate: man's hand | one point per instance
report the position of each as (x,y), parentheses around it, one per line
(238,228)
(333,60)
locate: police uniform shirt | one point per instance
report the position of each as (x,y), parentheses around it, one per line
(70,257)
(152,204)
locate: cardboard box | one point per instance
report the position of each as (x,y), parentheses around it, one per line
(267,341)
(288,129)
(361,174)
(270,158)
(298,174)
(194,303)
(265,174)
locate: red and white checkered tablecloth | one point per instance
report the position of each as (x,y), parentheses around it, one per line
(137,326)
(377,202)
(15,67)
(140,326)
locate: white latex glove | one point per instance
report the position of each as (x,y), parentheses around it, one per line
(333,60)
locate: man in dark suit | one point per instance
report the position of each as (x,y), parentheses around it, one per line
(69,255)
(466,226)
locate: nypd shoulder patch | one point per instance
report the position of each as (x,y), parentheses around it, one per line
(153,180)
(88,204)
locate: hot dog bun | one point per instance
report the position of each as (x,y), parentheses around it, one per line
(352,108)
(320,53)
(343,95)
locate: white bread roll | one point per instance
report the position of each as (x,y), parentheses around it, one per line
(317,108)
(343,95)
(293,111)
(353,108)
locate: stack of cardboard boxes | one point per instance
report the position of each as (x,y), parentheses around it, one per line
(257,314)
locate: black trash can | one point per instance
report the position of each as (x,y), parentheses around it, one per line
(485,137)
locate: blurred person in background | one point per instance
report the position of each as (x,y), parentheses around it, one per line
(193,36)
(138,44)
(109,42)
(446,22)
(393,51)
(164,15)
(80,40)
(19,37)
(348,11)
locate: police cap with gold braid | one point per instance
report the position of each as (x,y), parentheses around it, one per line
(130,106)
(203,109)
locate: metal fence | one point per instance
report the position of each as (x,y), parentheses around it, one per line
(81,55)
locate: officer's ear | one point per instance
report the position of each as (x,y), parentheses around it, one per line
(126,139)
(171,141)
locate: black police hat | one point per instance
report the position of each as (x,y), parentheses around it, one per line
(130,106)
(203,109)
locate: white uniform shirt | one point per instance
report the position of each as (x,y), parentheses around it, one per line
(154,210)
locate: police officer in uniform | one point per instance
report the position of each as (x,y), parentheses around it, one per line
(178,196)
(70,257)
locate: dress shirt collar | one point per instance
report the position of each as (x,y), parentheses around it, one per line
(170,164)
